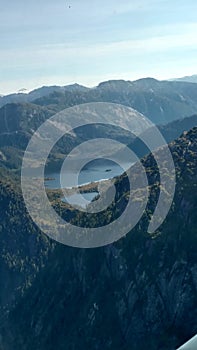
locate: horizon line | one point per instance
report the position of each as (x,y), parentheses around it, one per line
(85,85)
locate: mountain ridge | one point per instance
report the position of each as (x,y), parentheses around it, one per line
(188,78)
(39,92)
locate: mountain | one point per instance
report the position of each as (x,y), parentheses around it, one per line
(38,93)
(170,132)
(161,101)
(189,79)
(138,293)
(23,249)
(18,121)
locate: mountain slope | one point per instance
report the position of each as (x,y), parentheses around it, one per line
(138,293)
(19,121)
(161,101)
(38,93)
(23,249)
(170,132)
(189,79)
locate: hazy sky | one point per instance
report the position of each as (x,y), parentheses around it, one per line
(45,42)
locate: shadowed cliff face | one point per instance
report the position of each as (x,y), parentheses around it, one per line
(138,293)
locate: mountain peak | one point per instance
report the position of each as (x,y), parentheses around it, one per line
(115,84)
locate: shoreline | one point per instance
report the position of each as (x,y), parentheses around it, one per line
(84,188)
(55,194)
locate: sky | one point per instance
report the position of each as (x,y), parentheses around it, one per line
(45,42)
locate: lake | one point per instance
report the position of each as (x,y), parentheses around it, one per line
(94,171)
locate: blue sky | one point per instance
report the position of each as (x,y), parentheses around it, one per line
(45,42)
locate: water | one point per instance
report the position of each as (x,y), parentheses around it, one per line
(92,172)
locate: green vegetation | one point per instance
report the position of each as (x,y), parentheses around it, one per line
(139,292)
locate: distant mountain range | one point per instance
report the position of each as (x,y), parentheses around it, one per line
(38,93)
(189,79)
(161,101)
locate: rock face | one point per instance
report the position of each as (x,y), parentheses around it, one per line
(138,293)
